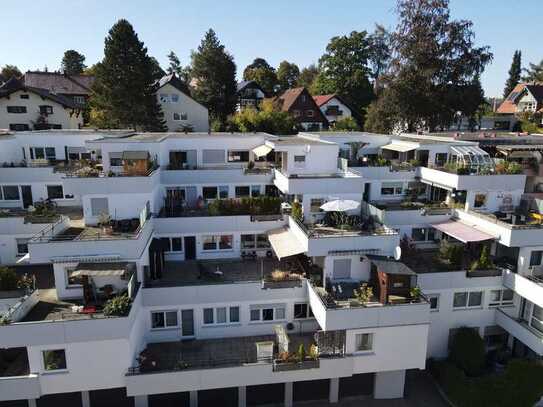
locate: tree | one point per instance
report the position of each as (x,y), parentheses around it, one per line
(288,75)
(307,76)
(380,52)
(467,351)
(514,74)
(435,62)
(9,71)
(124,92)
(73,63)
(267,119)
(380,115)
(346,124)
(157,70)
(262,73)
(175,67)
(344,70)
(534,73)
(215,72)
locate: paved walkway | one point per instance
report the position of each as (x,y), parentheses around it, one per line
(420,391)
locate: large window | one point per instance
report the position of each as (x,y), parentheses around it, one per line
(259,241)
(99,206)
(479,201)
(299,161)
(55,192)
(223,191)
(267,313)
(71,279)
(173,244)
(255,191)
(500,297)
(164,319)
(10,193)
(536,257)
(472,299)
(316,204)
(209,193)
(54,360)
(391,188)
(223,242)
(40,153)
(116,159)
(16,109)
(364,342)
(221,315)
(242,191)
(238,156)
(22,246)
(537,318)
(46,109)
(302,311)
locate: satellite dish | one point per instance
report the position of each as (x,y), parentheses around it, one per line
(397,253)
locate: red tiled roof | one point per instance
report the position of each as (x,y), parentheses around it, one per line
(322,99)
(509,105)
(288,97)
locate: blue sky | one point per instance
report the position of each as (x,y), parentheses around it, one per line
(295,30)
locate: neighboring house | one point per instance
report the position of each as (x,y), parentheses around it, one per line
(27,108)
(181,112)
(2,79)
(333,107)
(75,87)
(250,94)
(302,106)
(523,98)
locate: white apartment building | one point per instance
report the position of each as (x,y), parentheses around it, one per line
(242,289)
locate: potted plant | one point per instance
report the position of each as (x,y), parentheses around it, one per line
(364,293)
(415,293)
(104,220)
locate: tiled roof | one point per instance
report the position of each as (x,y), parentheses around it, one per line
(288,97)
(56,82)
(509,105)
(14,84)
(177,83)
(322,99)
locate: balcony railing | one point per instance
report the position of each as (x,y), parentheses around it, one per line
(316,231)
(513,221)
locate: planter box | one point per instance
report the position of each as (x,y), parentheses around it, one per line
(279,366)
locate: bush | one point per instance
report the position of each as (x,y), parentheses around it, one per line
(262,205)
(467,351)
(8,279)
(297,212)
(118,306)
(484,262)
(346,124)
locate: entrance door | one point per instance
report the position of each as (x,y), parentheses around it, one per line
(190,247)
(26,191)
(187,322)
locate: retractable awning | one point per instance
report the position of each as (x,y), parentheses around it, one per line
(135,155)
(462,231)
(76,150)
(262,150)
(102,269)
(400,148)
(285,243)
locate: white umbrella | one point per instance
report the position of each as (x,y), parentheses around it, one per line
(340,205)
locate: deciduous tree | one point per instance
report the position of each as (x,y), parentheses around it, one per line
(262,73)
(534,73)
(288,75)
(214,71)
(73,63)
(9,71)
(307,76)
(124,93)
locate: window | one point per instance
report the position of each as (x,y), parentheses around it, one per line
(242,191)
(16,109)
(310,113)
(221,315)
(299,161)
(500,297)
(46,110)
(54,360)
(268,313)
(391,188)
(209,243)
(22,246)
(434,302)
(80,100)
(10,192)
(164,98)
(316,204)
(536,257)
(71,279)
(209,193)
(55,192)
(473,299)
(41,153)
(177,244)
(164,319)
(302,311)
(225,242)
(262,241)
(255,191)
(25,96)
(418,234)
(537,318)
(363,342)
(480,201)
(116,159)
(248,242)
(175,98)
(176,116)
(99,206)
(237,156)
(19,127)
(223,191)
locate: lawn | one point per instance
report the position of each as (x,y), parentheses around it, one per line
(521,385)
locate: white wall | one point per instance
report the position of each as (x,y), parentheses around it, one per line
(197,115)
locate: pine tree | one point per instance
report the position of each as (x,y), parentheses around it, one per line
(214,72)
(124,93)
(73,63)
(534,73)
(514,74)
(183,72)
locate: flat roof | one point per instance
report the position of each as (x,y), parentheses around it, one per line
(158,137)
(299,141)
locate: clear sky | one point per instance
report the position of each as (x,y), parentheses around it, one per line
(36,33)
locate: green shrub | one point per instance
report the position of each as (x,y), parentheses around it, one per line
(8,279)
(484,262)
(262,205)
(297,211)
(118,306)
(467,351)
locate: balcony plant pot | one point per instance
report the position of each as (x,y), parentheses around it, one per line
(281,366)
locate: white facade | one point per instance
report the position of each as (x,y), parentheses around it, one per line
(181,111)
(218,278)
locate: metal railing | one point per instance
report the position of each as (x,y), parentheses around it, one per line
(314,233)
(492,218)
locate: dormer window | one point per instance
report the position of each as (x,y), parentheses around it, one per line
(25,96)
(46,110)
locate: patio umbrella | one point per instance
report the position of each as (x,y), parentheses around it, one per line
(340,205)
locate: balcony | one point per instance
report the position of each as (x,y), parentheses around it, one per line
(529,287)
(508,319)
(468,181)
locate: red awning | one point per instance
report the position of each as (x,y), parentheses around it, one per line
(462,231)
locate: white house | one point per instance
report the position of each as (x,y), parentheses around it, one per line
(181,112)
(333,107)
(28,108)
